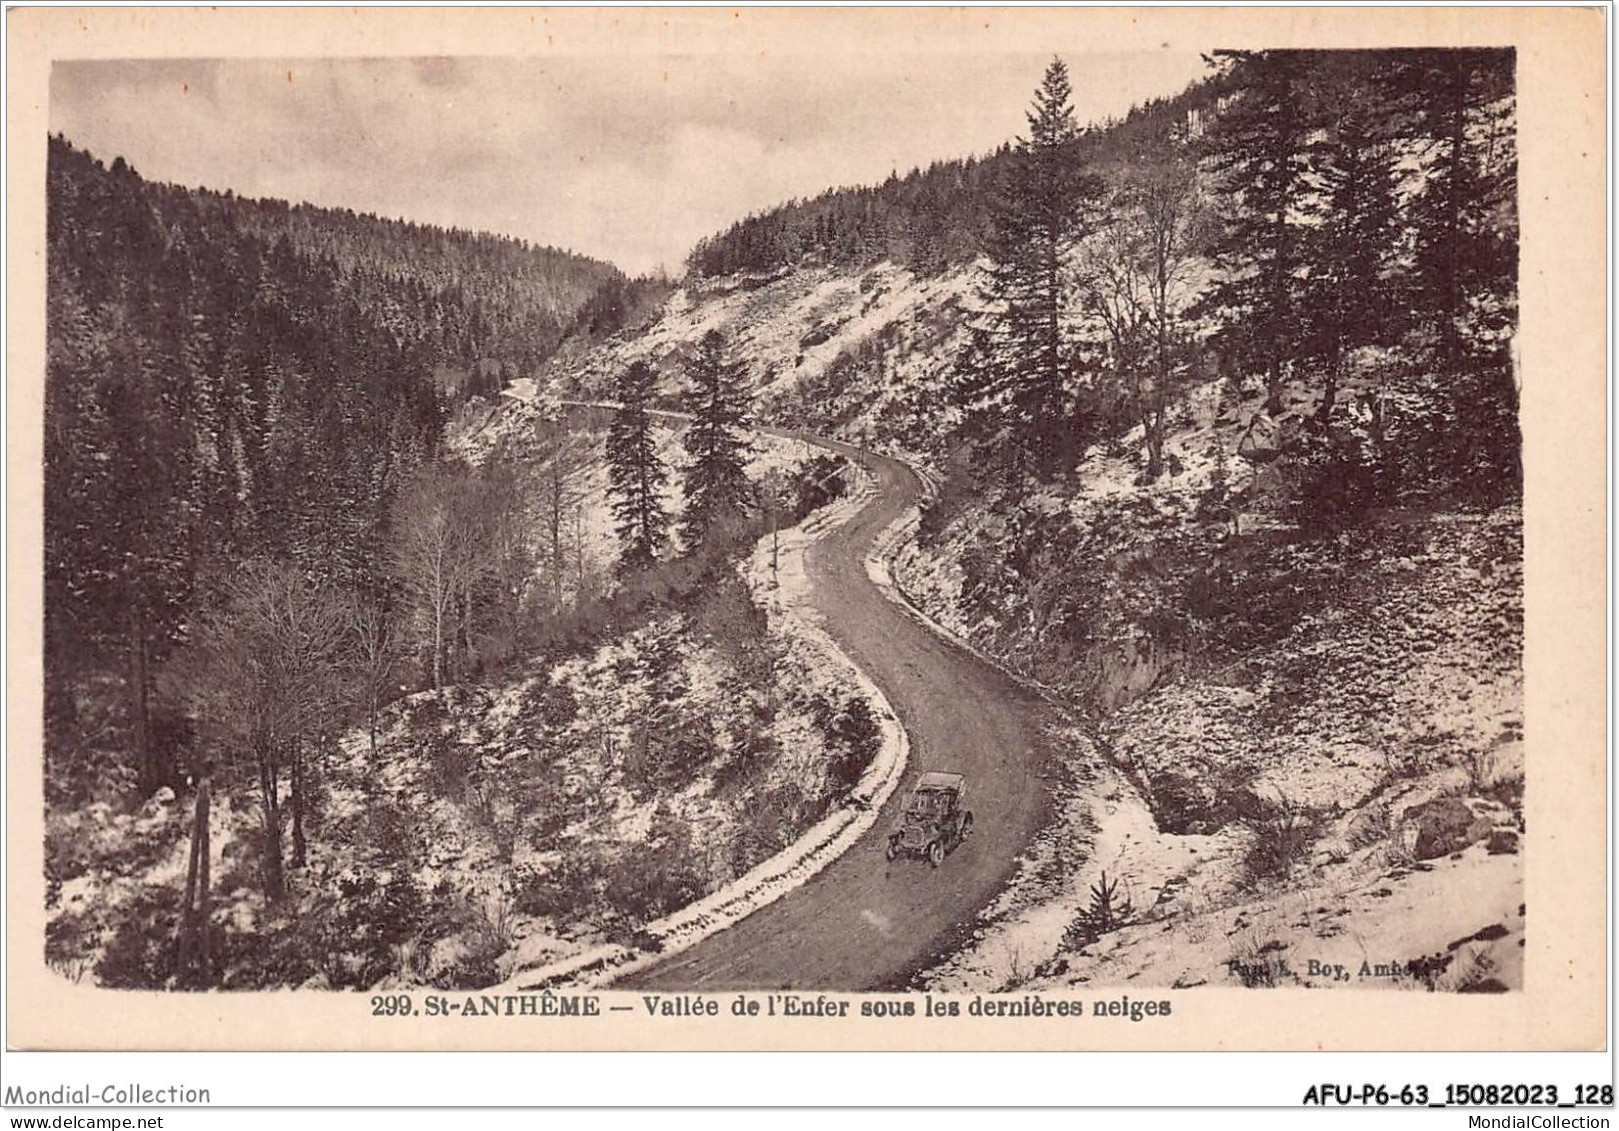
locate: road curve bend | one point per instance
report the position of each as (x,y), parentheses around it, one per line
(863,923)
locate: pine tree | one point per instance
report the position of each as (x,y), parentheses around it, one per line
(215,390)
(1465,214)
(1027,414)
(635,473)
(1461,104)
(1257,152)
(1351,250)
(716,484)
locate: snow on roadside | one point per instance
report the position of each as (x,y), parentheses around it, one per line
(1374,705)
(789,607)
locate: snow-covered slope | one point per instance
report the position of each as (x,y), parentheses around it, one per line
(1365,686)
(1288,742)
(557,806)
(862,355)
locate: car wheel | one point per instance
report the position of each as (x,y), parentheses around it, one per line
(966,825)
(936,853)
(892,850)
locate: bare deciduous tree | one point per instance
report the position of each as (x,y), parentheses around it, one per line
(1138,280)
(264,681)
(461,554)
(374,636)
(429,557)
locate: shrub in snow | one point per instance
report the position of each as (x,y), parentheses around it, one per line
(1181,804)
(1502,842)
(648,881)
(1108,910)
(1280,837)
(555,704)
(424,712)
(474,934)
(275,954)
(820,482)
(1507,790)
(560,890)
(353,937)
(70,945)
(774,818)
(141,953)
(666,752)
(1474,973)
(957,494)
(450,765)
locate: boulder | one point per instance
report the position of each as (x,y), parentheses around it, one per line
(1179,804)
(1266,438)
(1442,826)
(1366,827)
(155,803)
(1503,842)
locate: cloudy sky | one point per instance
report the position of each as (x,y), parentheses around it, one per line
(631,159)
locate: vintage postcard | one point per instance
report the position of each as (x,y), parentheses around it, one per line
(806,529)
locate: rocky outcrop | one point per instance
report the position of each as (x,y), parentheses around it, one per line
(1442,826)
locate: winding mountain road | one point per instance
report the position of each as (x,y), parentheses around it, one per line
(864,923)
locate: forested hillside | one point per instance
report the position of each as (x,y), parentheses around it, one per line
(233,380)
(927,220)
(467,297)
(1239,484)
(374,626)
(1321,284)
(1311,219)
(1215,406)
(1216,399)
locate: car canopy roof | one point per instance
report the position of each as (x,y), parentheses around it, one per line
(934,780)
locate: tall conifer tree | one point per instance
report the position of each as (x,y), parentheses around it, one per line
(636,475)
(1465,213)
(1351,250)
(716,484)
(1257,151)
(1026,411)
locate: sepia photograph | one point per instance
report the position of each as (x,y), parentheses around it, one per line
(979,529)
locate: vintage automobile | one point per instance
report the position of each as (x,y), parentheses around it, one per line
(935,821)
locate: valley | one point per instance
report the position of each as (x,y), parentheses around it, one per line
(429,609)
